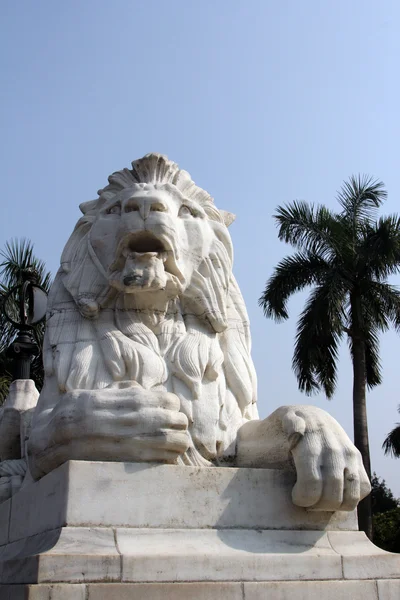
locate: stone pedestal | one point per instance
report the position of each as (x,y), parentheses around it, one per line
(94,531)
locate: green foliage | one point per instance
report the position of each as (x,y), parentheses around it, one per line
(18,264)
(387,530)
(391,445)
(346,257)
(382,499)
(386,516)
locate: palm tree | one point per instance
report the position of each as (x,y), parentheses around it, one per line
(17,265)
(391,445)
(346,257)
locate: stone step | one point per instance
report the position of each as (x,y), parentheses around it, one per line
(278,590)
(79,555)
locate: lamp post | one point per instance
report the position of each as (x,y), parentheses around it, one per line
(24,307)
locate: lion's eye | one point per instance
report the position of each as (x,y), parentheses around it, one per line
(185,211)
(114,210)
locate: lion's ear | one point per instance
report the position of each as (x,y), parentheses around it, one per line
(227,217)
(86,207)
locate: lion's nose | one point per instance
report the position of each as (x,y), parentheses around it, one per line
(145,206)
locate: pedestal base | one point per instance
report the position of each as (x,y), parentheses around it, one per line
(279,590)
(93,531)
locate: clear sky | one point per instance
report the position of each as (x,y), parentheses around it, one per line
(263,102)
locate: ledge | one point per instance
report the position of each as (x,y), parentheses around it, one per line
(106,494)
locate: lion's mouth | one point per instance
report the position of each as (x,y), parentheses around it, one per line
(145,242)
(142,251)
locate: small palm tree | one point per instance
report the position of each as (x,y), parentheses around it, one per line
(346,257)
(391,445)
(18,263)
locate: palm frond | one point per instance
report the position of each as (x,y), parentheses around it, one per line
(45,281)
(373,318)
(319,331)
(291,275)
(307,227)
(382,302)
(20,263)
(379,247)
(360,197)
(391,445)
(6,368)
(5,381)
(372,359)
(8,334)
(373,310)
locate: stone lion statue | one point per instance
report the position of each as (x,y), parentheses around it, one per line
(147,348)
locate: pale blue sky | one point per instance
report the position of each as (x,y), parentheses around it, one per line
(262,102)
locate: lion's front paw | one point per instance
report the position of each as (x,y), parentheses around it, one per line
(330,471)
(119,423)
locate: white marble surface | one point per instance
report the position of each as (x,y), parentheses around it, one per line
(226,555)
(389,589)
(133,555)
(46,591)
(355,547)
(72,555)
(167,496)
(166,591)
(312,590)
(15,421)
(15,418)
(118,591)
(300,590)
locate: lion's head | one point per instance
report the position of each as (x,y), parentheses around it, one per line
(145,292)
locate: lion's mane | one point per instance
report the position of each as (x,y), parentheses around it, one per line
(198,348)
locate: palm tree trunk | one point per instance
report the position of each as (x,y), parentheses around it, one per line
(360,418)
